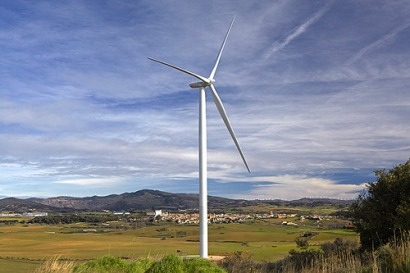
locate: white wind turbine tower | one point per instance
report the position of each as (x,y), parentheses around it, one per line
(203,191)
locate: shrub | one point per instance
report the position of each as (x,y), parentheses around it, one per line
(175,264)
(242,262)
(106,264)
(340,247)
(201,266)
(395,257)
(141,266)
(340,256)
(302,242)
(170,263)
(109,264)
(303,259)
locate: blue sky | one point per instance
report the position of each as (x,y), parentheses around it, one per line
(318,93)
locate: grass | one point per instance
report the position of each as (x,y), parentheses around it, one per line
(257,246)
(110,264)
(55,264)
(18,266)
(23,246)
(340,256)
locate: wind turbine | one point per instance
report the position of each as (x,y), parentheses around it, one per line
(203,191)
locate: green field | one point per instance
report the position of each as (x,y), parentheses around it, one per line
(23,247)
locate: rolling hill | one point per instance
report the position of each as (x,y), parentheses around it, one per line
(140,200)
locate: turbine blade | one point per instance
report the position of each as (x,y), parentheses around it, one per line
(222,112)
(218,58)
(199,77)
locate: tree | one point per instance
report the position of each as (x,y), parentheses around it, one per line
(382,212)
(302,242)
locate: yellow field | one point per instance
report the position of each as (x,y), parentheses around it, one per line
(22,247)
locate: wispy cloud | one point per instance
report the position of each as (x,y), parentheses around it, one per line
(382,40)
(299,30)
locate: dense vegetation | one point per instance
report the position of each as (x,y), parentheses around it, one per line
(338,257)
(382,212)
(73,218)
(108,264)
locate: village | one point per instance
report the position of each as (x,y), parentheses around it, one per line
(228,218)
(24,214)
(183,217)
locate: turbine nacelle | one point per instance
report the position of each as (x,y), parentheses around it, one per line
(202,84)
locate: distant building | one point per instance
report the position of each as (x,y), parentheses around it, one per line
(121,213)
(35,214)
(10,214)
(158,212)
(25,214)
(154,213)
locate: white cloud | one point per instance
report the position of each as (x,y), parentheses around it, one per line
(293,187)
(94,181)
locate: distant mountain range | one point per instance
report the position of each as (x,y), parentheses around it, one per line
(141,200)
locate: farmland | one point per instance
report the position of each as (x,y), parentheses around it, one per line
(23,246)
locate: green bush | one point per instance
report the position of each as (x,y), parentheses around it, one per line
(109,264)
(141,266)
(171,263)
(201,266)
(382,212)
(175,264)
